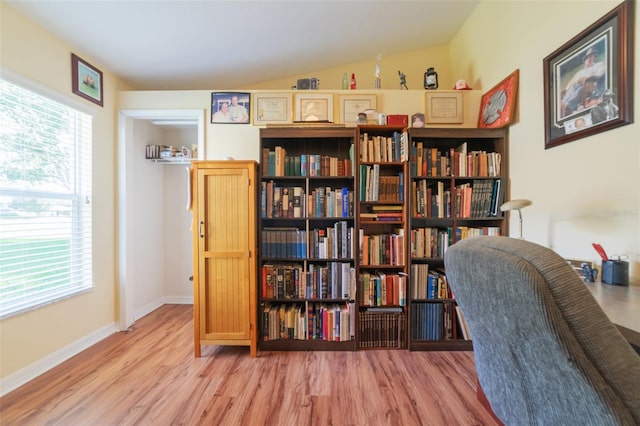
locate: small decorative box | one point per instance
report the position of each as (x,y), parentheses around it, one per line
(397,120)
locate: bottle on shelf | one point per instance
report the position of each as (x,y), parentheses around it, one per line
(353,81)
(345,81)
(431,79)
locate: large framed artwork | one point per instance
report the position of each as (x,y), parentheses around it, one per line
(86,80)
(498,105)
(588,85)
(230,107)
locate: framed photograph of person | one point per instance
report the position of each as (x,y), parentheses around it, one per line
(230,107)
(86,80)
(272,108)
(314,107)
(498,105)
(587,81)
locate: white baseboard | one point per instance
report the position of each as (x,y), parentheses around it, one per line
(168,300)
(30,372)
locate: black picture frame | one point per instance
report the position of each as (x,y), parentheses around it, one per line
(588,81)
(86,80)
(230,107)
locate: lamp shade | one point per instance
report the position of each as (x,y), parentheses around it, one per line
(515,205)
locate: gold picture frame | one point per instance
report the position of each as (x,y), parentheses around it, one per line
(272,108)
(444,108)
(352,105)
(314,107)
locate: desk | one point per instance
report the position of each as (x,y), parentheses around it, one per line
(622,306)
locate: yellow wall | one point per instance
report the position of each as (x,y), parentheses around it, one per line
(584,191)
(28,50)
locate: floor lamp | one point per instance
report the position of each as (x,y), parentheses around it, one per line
(516,205)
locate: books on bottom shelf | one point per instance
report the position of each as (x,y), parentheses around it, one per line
(382,327)
(308,321)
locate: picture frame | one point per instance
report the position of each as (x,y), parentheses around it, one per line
(498,105)
(230,107)
(588,85)
(86,80)
(351,105)
(443,108)
(272,108)
(312,107)
(417,120)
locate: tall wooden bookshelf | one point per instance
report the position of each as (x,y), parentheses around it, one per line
(381,211)
(307,239)
(458,179)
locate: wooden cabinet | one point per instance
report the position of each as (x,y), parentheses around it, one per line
(224,253)
(458,181)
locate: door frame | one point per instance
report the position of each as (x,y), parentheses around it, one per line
(126,117)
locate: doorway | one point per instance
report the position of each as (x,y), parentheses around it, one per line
(138,267)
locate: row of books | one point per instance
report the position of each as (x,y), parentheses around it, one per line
(428,284)
(333,242)
(432,321)
(480,198)
(382,249)
(381,289)
(335,280)
(385,149)
(382,328)
(433,242)
(278,201)
(312,321)
(429,161)
(276,162)
(283,242)
(383,188)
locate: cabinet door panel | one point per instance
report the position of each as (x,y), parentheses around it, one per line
(225,249)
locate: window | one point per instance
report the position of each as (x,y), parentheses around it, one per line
(45,200)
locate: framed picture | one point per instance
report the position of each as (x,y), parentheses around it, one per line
(352,105)
(86,80)
(230,107)
(587,81)
(498,105)
(444,107)
(417,120)
(272,108)
(314,107)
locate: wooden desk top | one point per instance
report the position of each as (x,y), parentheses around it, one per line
(620,303)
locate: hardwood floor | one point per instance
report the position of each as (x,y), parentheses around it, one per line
(149,376)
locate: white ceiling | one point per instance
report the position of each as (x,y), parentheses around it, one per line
(199,45)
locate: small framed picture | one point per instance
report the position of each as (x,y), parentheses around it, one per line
(444,107)
(230,107)
(86,80)
(272,108)
(417,120)
(352,105)
(314,107)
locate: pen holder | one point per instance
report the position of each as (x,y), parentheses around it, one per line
(615,272)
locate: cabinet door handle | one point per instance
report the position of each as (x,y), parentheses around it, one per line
(201,228)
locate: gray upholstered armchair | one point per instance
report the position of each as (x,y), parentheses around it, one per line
(545,352)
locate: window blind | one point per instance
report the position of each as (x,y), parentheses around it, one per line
(45,200)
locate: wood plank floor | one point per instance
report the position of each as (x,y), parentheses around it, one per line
(149,376)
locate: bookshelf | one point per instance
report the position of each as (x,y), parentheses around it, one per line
(307,239)
(458,179)
(381,182)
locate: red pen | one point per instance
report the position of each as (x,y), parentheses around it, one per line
(600,251)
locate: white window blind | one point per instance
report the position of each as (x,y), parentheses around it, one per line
(45,200)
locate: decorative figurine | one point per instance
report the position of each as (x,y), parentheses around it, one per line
(403,80)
